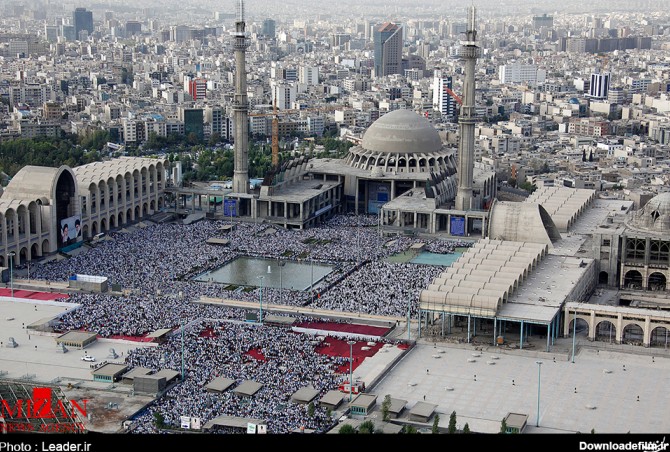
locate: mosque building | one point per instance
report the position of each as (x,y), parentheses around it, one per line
(43,210)
(400,171)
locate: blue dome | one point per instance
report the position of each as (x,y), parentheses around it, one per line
(574,100)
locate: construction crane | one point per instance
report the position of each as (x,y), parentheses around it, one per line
(275,126)
(453,94)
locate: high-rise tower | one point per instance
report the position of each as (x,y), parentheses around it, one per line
(443,101)
(82,19)
(388,49)
(600,85)
(469,52)
(241,106)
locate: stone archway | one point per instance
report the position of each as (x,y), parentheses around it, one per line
(582,329)
(34,251)
(632,280)
(603,278)
(656,281)
(632,334)
(605,332)
(660,337)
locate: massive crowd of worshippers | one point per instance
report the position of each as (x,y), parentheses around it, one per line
(155,266)
(283,364)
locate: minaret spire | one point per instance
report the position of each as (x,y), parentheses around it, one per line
(469,52)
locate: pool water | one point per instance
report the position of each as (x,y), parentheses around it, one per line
(428,258)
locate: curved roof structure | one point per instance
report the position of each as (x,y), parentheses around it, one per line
(522,222)
(654,216)
(402,131)
(563,204)
(32,183)
(92,173)
(483,278)
(402,141)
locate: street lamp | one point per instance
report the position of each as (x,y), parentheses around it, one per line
(311,287)
(351,369)
(574,334)
(183,371)
(260,296)
(11,255)
(539,370)
(379,222)
(281,283)
(408,320)
(358,241)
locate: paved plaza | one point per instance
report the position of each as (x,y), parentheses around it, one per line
(483,384)
(37,357)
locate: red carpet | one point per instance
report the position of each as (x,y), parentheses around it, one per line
(256,354)
(131,338)
(208,332)
(32,295)
(332,346)
(354,328)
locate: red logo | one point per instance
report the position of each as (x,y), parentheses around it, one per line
(66,414)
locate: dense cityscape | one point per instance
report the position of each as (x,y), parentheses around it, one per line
(482,182)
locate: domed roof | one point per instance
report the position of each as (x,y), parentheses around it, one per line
(660,203)
(655,215)
(402,131)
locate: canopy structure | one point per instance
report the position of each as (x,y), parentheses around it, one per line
(483,278)
(563,204)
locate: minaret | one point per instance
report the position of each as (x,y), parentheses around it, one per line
(241,106)
(469,52)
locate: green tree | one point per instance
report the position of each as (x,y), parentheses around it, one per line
(591,156)
(366,427)
(409,429)
(154,141)
(159,420)
(192,138)
(529,187)
(503,426)
(386,407)
(436,423)
(95,141)
(452,423)
(511,182)
(347,429)
(584,155)
(214,139)
(310,409)
(466,428)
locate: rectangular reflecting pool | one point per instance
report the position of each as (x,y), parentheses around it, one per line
(429,258)
(246,271)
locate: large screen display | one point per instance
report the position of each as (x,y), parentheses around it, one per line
(70,230)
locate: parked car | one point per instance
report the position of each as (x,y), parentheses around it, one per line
(88,358)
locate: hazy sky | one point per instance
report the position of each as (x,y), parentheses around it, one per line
(362,8)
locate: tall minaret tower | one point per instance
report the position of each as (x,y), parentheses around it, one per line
(469,52)
(241,106)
